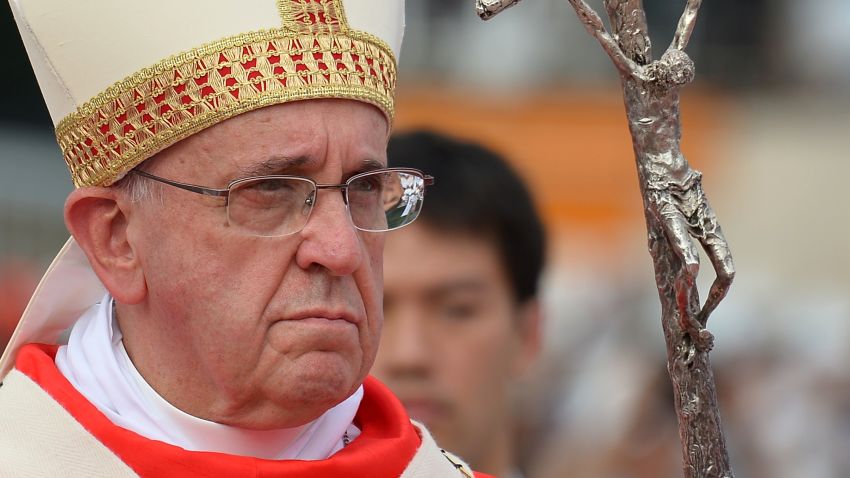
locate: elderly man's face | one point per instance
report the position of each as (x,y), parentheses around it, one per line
(250,331)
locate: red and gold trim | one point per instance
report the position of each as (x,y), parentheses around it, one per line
(315,55)
(386,445)
(314,16)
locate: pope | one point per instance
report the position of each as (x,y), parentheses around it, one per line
(218,307)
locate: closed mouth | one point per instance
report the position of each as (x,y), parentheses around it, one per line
(326,315)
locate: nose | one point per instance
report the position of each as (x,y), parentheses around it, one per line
(329,238)
(404,351)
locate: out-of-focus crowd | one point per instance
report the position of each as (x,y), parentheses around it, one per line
(17,283)
(783,391)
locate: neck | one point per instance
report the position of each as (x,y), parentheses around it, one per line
(498,458)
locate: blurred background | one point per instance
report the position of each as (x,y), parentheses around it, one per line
(768,123)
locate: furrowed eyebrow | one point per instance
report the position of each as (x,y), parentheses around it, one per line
(284,165)
(275,165)
(373,164)
(370,165)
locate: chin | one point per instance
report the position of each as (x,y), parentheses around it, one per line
(326,388)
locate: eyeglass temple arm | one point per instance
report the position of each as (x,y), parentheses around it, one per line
(188,187)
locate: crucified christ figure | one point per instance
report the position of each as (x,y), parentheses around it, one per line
(676,211)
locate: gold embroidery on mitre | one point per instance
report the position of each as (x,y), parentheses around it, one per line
(157,106)
(313,15)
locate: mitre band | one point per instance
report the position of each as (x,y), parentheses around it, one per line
(315,54)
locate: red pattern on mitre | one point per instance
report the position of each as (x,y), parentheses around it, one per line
(384,448)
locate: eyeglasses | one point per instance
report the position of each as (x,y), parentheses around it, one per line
(270,206)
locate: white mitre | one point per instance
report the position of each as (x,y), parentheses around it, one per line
(124,80)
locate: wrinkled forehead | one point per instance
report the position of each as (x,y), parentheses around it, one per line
(302,138)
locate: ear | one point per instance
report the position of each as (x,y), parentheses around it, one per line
(529,324)
(98,219)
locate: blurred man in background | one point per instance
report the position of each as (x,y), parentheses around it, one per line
(462,321)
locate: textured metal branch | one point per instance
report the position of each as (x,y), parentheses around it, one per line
(677,212)
(487,9)
(686,25)
(628,23)
(595,27)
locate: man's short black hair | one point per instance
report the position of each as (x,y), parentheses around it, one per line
(476,192)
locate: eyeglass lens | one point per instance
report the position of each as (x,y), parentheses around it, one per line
(377,201)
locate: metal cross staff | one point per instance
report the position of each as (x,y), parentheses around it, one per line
(676,209)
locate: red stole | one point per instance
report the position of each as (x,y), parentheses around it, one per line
(384,448)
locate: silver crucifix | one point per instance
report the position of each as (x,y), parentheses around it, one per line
(676,210)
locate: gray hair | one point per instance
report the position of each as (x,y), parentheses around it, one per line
(137,188)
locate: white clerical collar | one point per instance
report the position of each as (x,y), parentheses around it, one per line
(98,366)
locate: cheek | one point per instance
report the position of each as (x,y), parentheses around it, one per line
(207,268)
(370,286)
(375,251)
(478,359)
(247,273)
(371,278)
